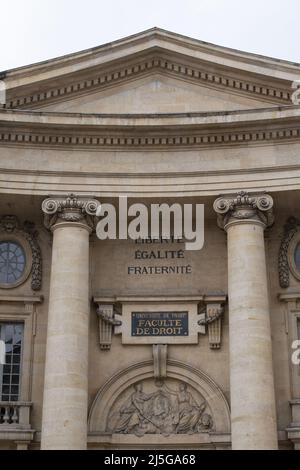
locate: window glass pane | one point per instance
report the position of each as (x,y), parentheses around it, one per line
(8,357)
(297,257)
(14,389)
(16,359)
(12,335)
(15,369)
(12,262)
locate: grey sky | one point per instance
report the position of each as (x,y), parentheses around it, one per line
(35,30)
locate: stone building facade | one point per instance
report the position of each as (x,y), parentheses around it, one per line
(156,117)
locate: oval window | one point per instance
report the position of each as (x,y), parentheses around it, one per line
(297,257)
(12,262)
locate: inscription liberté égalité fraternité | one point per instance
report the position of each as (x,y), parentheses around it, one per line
(144,253)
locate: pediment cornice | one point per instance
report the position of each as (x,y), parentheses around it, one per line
(152,52)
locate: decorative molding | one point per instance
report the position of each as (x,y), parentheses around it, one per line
(124,299)
(244,206)
(290,229)
(290,297)
(101,80)
(146,140)
(24,299)
(70,209)
(9,224)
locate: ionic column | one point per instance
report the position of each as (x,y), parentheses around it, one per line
(253,417)
(64,421)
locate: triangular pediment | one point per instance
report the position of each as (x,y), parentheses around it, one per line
(152,72)
(156,94)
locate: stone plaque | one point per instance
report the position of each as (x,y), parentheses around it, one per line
(159,324)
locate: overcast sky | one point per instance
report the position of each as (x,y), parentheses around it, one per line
(35,30)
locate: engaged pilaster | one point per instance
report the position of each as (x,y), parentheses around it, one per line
(64,422)
(244,217)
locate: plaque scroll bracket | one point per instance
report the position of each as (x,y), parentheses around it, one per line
(108,320)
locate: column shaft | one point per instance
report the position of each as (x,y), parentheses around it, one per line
(251,373)
(66,375)
(253,418)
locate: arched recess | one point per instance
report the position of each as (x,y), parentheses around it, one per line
(195,379)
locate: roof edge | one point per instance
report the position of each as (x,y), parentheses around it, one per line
(155,31)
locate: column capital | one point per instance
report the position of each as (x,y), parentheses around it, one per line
(70,209)
(243,207)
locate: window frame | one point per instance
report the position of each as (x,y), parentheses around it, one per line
(22,309)
(14,238)
(292,312)
(20,364)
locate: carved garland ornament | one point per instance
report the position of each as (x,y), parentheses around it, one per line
(70,209)
(290,229)
(244,206)
(10,224)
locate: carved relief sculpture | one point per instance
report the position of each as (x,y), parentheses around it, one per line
(164,411)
